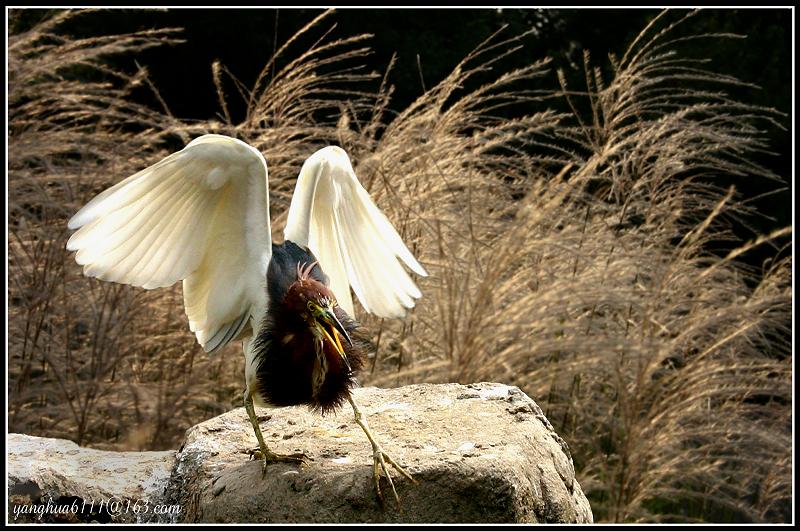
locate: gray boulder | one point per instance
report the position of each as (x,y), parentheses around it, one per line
(54,480)
(479,453)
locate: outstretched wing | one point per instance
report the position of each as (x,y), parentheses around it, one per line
(355,244)
(200,215)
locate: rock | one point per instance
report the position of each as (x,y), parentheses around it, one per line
(479,453)
(53,480)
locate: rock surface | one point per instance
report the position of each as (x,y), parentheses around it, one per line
(54,480)
(480,453)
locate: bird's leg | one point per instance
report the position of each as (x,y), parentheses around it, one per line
(379,457)
(266,454)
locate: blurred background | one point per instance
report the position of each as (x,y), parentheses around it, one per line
(602,198)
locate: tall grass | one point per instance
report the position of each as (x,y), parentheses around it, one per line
(95,362)
(567,232)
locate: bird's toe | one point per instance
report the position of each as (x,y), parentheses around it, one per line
(381,467)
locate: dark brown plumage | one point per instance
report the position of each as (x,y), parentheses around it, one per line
(287,347)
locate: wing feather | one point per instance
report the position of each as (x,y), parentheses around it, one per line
(355,243)
(226,334)
(325,245)
(201,216)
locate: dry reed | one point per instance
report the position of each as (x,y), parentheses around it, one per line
(568,252)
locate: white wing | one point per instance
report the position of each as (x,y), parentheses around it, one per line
(200,215)
(355,244)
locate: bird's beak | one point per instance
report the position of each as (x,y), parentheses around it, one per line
(328,317)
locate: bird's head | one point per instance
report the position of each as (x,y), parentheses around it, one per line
(316,305)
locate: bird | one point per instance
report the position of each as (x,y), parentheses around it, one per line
(201,216)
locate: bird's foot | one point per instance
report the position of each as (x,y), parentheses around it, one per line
(271,457)
(380,466)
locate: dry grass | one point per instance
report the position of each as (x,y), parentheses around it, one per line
(568,254)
